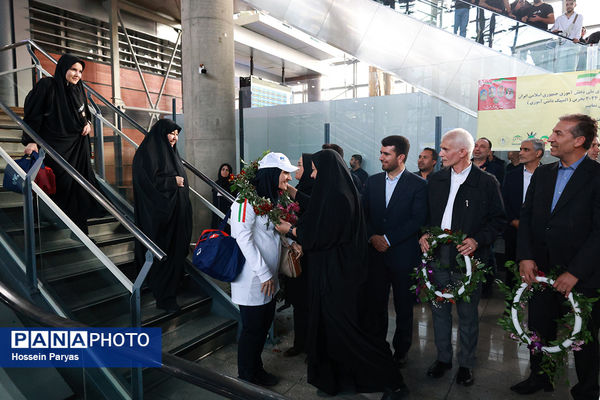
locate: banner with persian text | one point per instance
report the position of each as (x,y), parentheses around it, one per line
(514,109)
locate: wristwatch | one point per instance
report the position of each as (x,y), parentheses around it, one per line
(289,233)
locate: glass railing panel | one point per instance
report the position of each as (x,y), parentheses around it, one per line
(11,220)
(75,271)
(61,382)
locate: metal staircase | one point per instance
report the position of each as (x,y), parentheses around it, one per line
(98,283)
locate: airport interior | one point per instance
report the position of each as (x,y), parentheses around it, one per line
(242,77)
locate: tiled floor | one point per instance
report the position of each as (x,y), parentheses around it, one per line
(501,363)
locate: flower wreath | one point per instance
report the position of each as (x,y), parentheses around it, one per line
(572,327)
(285,208)
(475,271)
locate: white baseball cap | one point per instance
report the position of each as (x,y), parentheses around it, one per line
(276,160)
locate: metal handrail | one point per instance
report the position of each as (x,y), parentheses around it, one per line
(93,191)
(172,365)
(118,111)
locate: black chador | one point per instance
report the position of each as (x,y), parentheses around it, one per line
(297,288)
(162,210)
(57,110)
(332,233)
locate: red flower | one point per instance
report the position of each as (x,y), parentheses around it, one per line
(448,231)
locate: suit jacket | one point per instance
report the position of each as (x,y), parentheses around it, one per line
(569,236)
(401,220)
(512,192)
(478,207)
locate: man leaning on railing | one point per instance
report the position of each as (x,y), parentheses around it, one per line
(569,26)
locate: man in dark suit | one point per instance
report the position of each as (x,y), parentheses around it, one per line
(514,189)
(427,162)
(560,229)
(486,161)
(356,169)
(395,204)
(463,198)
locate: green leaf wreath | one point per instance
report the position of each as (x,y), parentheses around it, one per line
(555,353)
(425,288)
(285,208)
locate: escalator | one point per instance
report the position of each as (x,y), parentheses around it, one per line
(418,46)
(96,282)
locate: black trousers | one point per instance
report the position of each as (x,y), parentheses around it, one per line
(382,276)
(544,308)
(256,321)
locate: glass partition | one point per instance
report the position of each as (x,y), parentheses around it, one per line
(358,125)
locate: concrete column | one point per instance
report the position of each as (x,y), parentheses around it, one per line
(208,98)
(21,30)
(313,89)
(7,92)
(115,65)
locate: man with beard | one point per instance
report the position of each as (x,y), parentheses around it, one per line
(427,161)
(395,205)
(356,169)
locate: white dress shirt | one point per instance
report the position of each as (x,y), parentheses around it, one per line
(456,179)
(569,27)
(390,186)
(526,181)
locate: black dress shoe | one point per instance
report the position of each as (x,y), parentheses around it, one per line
(169,305)
(292,352)
(400,361)
(263,378)
(464,376)
(397,394)
(533,384)
(438,369)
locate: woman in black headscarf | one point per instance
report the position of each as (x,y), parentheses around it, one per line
(296,289)
(333,237)
(218,200)
(162,209)
(57,110)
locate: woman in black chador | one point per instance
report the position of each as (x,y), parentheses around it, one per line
(57,110)
(220,201)
(162,209)
(333,236)
(296,289)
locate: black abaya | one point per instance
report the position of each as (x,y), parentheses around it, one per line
(332,233)
(58,112)
(296,289)
(220,201)
(162,209)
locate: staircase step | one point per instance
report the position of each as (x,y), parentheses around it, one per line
(88,289)
(56,232)
(61,245)
(216,332)
(12,146)
(193,305)
(78,267)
